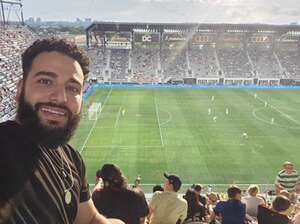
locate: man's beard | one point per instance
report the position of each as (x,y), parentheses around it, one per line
(45,135)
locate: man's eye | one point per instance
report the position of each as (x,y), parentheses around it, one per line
(74,89)
(44,81)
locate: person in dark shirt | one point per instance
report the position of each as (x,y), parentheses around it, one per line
(115,200)
(196,210)
(42,177)
(277,214)
(232,211)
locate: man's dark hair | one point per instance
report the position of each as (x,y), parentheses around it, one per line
(157,188)
(54,44)
(281,203)
(233,191)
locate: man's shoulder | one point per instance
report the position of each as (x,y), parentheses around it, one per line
(221,203)
(182,201)
(8,129)
(159,193)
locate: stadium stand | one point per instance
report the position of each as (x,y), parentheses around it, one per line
(119,64)
(203,61)
(290,62)
(233,57)
(99,61)
(144,64)
(13,40)
(264,62)
(234,63)
(174,63)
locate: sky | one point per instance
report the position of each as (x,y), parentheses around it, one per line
(203,11)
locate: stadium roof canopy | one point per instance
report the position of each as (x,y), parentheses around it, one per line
(218,27)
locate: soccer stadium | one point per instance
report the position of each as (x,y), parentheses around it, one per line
(217,104)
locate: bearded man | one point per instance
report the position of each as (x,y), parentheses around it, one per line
(42,177)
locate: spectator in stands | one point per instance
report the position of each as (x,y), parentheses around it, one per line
(252,201)
(212,201)
(168,207)
(296,218)
(292,198)
(157,187)
(287,178)
(198,188)
(115,200)
(276,214)
(98,181)
(196,210)
(137,185)
(232,211)
(42,176)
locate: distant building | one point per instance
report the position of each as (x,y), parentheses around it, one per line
(88,20)
(30,20)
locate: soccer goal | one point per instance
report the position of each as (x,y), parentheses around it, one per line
(93,111)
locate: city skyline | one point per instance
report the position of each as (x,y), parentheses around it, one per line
(202,11)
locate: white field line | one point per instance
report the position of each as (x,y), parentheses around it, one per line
(279,111)
(119,112)
(118,117)
(94,124)
(124,146)
(158,121)
(169,118)
(269,122)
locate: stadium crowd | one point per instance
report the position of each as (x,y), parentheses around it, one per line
(114,198)
(13,41)
(174,63)
(265,62)
(203,62)
(144,64)
(119,64)
(234,62)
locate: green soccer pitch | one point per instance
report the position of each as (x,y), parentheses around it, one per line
(209,136)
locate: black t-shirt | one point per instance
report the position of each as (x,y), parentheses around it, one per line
(123,204)
(267,216)
(34,180)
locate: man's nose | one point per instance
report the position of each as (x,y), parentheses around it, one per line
(58,94)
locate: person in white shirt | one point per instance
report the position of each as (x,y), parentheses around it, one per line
(252,200)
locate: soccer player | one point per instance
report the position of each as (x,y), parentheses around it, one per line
(42,176)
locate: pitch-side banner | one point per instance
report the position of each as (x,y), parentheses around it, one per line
(175,37)
(202,38)
(118,37)
(146,38)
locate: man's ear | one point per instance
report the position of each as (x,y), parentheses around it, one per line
(19,89)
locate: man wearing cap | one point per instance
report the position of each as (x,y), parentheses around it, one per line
(168,207)
(287,178)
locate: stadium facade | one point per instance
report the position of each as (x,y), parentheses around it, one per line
(191,53)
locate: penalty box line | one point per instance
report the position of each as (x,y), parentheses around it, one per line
(94,124)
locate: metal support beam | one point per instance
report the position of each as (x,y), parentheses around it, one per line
(11,3)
